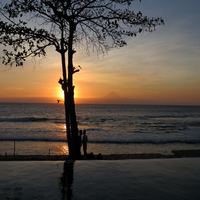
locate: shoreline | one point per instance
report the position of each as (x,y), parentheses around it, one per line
(192,153)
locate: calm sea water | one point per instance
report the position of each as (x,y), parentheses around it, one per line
(124,128)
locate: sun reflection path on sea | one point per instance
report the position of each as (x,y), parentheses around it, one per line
(64,150)
(64,127)
(62,147)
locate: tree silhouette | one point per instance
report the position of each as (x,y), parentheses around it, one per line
(31,26)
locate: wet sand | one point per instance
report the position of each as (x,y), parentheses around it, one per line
(139,179)
(175,154)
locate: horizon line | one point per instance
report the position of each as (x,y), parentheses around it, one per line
(97,101)
(104,103)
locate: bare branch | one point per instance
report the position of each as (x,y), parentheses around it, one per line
(103,23)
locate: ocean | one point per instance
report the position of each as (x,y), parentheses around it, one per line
(40,128)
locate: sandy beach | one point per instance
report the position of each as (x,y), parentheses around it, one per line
(166,179)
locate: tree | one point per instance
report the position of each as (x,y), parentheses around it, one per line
(31,26)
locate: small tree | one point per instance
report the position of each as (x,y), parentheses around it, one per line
(30,26)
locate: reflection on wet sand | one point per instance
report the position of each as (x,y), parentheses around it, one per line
(66,180)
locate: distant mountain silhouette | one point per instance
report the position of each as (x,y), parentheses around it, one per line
(110,98)
(112,95)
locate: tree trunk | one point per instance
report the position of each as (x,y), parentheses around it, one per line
(66,102)
(68,88)
(72,111)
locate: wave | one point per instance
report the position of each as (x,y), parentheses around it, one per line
(31,119)
(195,124)
(157,142)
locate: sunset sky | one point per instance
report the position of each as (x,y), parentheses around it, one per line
(162,67)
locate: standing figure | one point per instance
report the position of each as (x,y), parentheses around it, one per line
(84,142)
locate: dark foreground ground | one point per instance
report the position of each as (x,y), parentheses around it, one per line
(175,154)
(134,179)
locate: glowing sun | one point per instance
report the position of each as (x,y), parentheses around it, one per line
(60,94)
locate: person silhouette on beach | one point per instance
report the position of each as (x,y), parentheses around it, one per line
(84,143)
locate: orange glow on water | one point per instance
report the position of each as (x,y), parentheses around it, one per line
(64,149)
(64,127)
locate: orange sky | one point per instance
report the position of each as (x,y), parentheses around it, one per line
(162,67)
(106,79)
